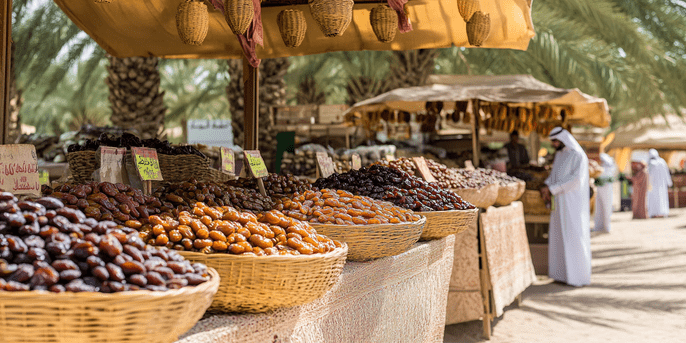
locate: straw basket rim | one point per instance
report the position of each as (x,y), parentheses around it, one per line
(359,226)
(445,223)
(271,258)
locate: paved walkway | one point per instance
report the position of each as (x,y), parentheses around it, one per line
(637,294)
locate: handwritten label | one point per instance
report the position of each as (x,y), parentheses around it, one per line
(325,164)
(147,163)
(112,164)
(228,162)
(390,157)
(44,177)
(468,165)
(19,169)
(255,163)
(423,168)
(357,162)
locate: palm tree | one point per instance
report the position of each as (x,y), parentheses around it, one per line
(309,93)
(411,68)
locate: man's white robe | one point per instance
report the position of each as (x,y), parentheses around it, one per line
(569,242)
(657,198)
(603,199)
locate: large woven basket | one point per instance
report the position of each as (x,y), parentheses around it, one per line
(533,203)
(178,168)
(483,197)
(239,15)
(440,224)
(509,193)
(332,16)
(192,21)
(384,22)
(82,164)
(478,30)
(139,316)
(368,242)
(467,8)
(263,283)
(292,26)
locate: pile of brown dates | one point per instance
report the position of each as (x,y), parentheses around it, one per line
(275,185)
(184,196)
(47,246)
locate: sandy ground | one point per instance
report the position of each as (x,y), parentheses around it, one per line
(637,292)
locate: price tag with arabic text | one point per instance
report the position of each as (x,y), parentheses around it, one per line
(255,163)
(357,162)
(468,165)
(325,164)
(147,163)
(423,169)
(44,177)
(112,164)
(390,157)
(19,169)
(228,161)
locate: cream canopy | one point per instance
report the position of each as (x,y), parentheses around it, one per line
(126,28)
(656,132)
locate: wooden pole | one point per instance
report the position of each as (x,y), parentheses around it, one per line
(251,97)
(476,145)
(5,67)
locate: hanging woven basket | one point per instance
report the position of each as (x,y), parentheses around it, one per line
(478,28)
(292,25)
(239,15)
(332,16)
(192,22)
(384,22)
(102,1)
(467,8)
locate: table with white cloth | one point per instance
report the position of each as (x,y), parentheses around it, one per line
(394,299)
(490,273)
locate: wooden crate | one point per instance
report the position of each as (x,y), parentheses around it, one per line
(331,114)
(288,115)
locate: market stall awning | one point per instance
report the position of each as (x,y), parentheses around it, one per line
(126,28)
(511,89)
(656,132)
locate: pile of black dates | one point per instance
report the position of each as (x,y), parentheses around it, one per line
(47,246)
(397,187)
(275,184)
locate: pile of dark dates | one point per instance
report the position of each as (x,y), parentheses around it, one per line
(47,246)
(395,186)
(107,201)
(184,195)
(128,140)
(275,185)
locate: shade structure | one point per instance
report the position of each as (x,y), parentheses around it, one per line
(126,28)
(668,132)
(512,89)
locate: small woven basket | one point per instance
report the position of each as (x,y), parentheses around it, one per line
(192,22)
(292,26)
(467,8)
(216,175)
(332,16)
(384,22)
(440,224)
(478,28)
(482,198)
(263,283)
(82,164)
(368,242)
(139,316)
(239,15)
(507,194)
(533,203)
(179,168)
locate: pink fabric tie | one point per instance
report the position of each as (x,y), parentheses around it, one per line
(404,24)
(253,36)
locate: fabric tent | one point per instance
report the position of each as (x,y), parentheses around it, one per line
(148,28)
(513,89)
(656,132)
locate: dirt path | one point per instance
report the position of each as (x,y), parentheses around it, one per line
(637,294)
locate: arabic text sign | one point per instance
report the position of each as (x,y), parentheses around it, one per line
(19,169)
(147,164)
(357,162)
(423,168)
(325,164)
(255,163)
(228,162)
(112,164)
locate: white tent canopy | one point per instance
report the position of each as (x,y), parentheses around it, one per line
(656,132)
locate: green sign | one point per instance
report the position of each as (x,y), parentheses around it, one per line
(44,177)
(147,164)
(228,162)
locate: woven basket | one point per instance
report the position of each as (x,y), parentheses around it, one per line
(179,168)
(533,203)
(263,283)
(368,242)
(192,22)
(440,224)
(216,175)
(478,28)
(384,22)
(292,25)
(332,16)
(239,15)
(82,164)
(521,189)
(139,316)
(508,194)
(467,8)
(482,198)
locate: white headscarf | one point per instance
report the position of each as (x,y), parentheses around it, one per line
(653,154)
(565,137)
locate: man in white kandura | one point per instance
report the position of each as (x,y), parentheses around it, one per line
(603,200)
(657,199)
(569,241)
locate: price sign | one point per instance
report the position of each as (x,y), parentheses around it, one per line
(228,162)
(19,169)
(255,163)
(423,168)
(325,164)
(112,164)
(390,157)
(147,164)
(468,165)
(357,162)
(44,177)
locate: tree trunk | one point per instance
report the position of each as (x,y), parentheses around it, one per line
(15,104)
(135,98)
